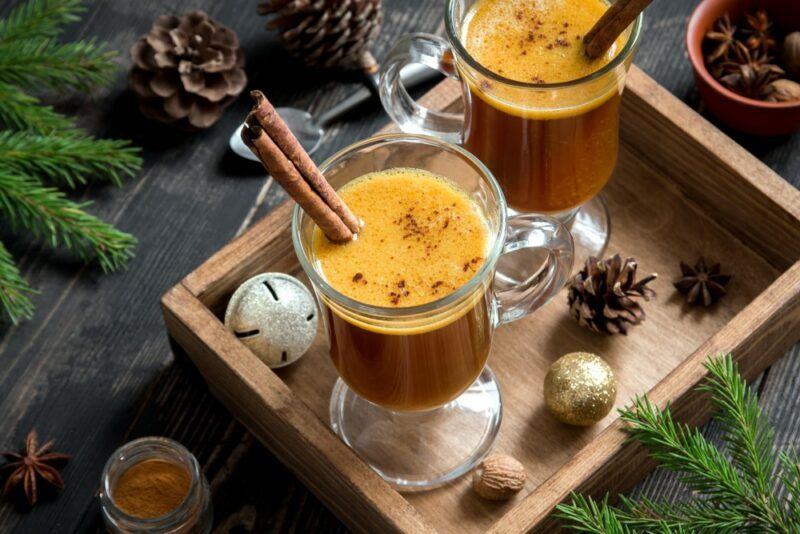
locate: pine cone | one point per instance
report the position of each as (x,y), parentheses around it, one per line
(187,70)
(601,295)
(326,33)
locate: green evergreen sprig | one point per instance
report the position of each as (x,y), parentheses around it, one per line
(41,148)
(68,159)
(24,112)
(14,290)
(46,213)
(36,63)
(735,489)
(39,18)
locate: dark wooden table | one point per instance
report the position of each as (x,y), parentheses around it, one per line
(94,369)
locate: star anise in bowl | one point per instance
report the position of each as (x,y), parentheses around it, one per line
(758,29)
(745,56)
(752,79)
(33,466)
(723,38)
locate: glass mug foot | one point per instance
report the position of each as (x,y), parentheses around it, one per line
(416,451)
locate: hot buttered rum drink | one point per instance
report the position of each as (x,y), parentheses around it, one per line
(550,149)
(422,239)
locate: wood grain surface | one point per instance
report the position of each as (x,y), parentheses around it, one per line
(93,368)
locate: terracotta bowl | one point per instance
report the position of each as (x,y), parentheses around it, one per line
(738,112)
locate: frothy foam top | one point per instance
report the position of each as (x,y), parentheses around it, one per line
(535,41)
(422,239)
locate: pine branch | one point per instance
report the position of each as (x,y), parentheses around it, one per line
(47,214)
(684,450)
(69,159)
(23,112)
(750,440)
(47,145)
(37,64)
(701,516)
(14,290)
(587,516)
(734,495)
(41,18)
(790,477)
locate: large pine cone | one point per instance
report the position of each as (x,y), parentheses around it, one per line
(187,70)
(326,33)
(601,295)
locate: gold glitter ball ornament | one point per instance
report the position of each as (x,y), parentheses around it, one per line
(580,388)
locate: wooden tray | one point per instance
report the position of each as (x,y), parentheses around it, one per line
(681,189)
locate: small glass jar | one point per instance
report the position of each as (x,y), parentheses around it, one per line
(194,515)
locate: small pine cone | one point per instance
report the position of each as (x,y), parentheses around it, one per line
(187,70)
(601,296)
(326,33)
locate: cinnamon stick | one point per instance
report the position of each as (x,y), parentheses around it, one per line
(268,137)
(613,22)
(276,129)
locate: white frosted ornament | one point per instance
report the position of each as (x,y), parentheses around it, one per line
(275,316)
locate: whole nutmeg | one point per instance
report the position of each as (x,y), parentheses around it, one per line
(791,54)
(498,477)
(783,90)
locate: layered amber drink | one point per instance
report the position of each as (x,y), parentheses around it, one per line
(551,152)
(540,114)
(410,305)
(422,239)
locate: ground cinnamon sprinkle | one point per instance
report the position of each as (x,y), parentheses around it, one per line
(418,230)
(152,488)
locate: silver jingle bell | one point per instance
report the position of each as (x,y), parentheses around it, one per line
(275,316)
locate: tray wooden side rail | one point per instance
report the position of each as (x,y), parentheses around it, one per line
(681,188)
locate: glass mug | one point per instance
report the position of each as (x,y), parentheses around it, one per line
(552,147)
(415,399)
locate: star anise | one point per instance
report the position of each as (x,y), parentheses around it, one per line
(723,35)
(758,30)
(31,466)
(738,55)
(757,58)
(701,283)
(751,79)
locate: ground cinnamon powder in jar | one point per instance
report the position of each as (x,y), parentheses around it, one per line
(152,488)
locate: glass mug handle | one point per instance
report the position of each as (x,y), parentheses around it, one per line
(534,232)
(433,52)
